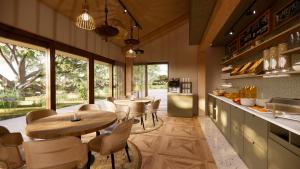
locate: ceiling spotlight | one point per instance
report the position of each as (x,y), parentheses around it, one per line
(125,10)
(254,12)
(231,33)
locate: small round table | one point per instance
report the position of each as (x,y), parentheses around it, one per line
(126,102)
(61,124)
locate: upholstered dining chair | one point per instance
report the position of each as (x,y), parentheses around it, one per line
(10,155)
(108,144)
(38,114)
(152,109)
(62,153)
(137,109)
(87,107)
(110,99)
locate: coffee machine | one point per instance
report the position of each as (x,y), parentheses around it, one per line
(174,85)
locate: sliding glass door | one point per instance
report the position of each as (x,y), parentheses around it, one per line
(157,83)
(118,81)
(151,80)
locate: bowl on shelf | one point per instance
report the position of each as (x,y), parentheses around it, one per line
(248,102)
(296,67)
(261,102)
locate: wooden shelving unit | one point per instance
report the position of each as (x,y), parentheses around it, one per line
(281,37)
(291,51)
(261,75)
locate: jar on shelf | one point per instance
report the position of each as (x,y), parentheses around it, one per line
(266,57)
(284,61)
(273,59)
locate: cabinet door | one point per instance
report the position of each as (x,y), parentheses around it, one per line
(281,158)
(225,120)
(218,112)
(255,142)
(236,131)
(211,106)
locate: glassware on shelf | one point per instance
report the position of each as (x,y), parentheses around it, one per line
(297,43)
(266,57)
(273,59)
(284,61)
(292,41)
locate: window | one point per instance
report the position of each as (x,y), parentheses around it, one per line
(119,81)
(102,80)
(71,82)
(139,80)
(22,78)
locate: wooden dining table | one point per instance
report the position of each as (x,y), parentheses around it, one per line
(126,102)
(61,125)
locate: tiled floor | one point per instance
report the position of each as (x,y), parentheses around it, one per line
(178,144)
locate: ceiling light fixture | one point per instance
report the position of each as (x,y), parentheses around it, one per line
(125,10)
(139,51)
(85,20)
(231,32)
(131,41)
(131,53)
(106,30)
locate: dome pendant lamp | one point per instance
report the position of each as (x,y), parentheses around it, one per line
(85,20)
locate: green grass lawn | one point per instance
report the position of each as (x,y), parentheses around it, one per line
(16,112)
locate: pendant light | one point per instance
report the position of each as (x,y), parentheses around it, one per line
(85,20)
(139,51)
(106,30)
(131,41)
(130,53)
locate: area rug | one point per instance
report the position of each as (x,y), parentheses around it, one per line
(138,128)
(121,160)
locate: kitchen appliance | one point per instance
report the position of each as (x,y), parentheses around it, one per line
(174,85)
(285,108)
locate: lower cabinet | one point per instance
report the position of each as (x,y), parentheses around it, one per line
(281,158)
(255,142)
(225,120)
(218,113)
(237,130)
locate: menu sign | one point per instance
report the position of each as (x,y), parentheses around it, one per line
(259,27)
(288,12)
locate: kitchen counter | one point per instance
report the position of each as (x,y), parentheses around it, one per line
(292,126)
(180,104)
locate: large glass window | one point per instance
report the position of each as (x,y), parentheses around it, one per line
(139,80)
(71,81)
(22,78)
(119,81)
(102,80)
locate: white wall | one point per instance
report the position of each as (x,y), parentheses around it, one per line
(35,17)
(174,48)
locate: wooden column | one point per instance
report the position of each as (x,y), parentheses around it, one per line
(129,71)
(51,82)
(91,86)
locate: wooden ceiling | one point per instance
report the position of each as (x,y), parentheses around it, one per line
(152,15)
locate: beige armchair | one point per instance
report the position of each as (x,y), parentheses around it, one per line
(108,144)
(153,110)
(35,115)
(121,111)
(10,155)
(61,153)
(137,109)
(87,107)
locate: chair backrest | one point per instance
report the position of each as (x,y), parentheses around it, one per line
(110,99)
(117,140)
(38,114)
(110,106)
(155,104)
(62,153)
(87,107)
(137,108)
(3,130)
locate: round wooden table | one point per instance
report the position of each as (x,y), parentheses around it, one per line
(126,102)
(61,124)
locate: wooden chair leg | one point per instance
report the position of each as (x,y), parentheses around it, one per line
(127,152)
(153,119)
(112,161)
(156,116)
(145,116)
(142,121)
(88,165)
(98,133)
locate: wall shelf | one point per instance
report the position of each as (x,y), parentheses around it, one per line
(281,37)
(291,51)
(262,75)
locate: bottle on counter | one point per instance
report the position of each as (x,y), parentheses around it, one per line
(266,57)
(274,59)
(284,61)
